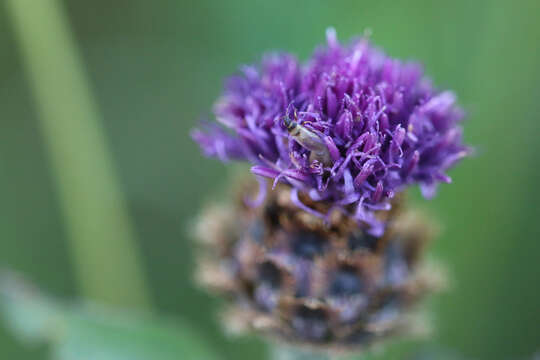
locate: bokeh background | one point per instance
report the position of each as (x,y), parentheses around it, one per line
(154,69)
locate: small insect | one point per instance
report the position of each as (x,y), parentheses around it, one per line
(308,139)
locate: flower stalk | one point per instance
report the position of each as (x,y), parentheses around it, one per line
(99,230)
(280,352)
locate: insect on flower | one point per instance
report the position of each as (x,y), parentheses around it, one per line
(308,139)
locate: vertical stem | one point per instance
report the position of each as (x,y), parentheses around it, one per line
(98,227)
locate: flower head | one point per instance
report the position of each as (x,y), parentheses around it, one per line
(351,127)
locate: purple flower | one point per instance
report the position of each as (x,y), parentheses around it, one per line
(351,127)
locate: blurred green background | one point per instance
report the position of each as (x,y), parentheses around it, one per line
(155,68)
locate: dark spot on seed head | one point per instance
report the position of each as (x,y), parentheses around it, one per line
(346,282)
(396,270)
(270,275)
(362,240)
(307,245)
(310,324)
(256,231)
(271,214)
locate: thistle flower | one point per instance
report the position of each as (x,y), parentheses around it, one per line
(352,127)
(327,285)
(329,255)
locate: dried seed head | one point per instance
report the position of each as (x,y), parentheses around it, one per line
(329,284)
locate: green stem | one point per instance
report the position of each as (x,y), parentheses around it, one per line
(280,352)
(98,226)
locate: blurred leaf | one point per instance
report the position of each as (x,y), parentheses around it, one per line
(87,331)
